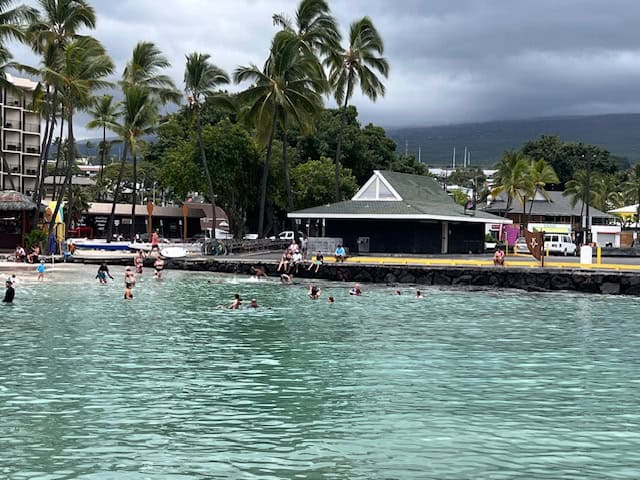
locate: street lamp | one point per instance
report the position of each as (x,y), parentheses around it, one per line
(587,223)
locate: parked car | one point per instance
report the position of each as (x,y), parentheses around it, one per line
(289,235)
(250,236)
(521,245)
(560,244)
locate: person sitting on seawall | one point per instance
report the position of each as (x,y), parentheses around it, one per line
(355,290)
(340,254)
(319,260)
(34,256)
(20,254)
(9,293)
(498,257)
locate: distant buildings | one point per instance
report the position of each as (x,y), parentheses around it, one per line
(20,130)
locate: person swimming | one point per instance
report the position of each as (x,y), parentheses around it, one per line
(419,294)
(158,265)
(355,290)
(237,302)
(103,272)
(129,277)
(128,294)
(332,300)
(314,292)
(286,279)
(254,303)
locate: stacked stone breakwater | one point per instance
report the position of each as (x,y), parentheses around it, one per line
(529,279)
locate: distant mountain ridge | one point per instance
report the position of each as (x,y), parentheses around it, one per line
(618,133)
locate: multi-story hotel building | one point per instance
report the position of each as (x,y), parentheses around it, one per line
(20,131)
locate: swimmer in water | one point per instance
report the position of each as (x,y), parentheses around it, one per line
(237,302)
(158,265)
(103,272)
(253,304)
(286,279)
(419,294)
(129,277)
(128,294)
(355,290)
(398,292)
(314,292)
(331,300)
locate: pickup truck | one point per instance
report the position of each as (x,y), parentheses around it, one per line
(288,235)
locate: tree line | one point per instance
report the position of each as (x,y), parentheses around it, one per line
(280,101)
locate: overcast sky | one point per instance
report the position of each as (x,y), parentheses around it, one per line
(452,61)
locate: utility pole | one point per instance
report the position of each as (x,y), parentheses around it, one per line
(454,158)
(587,233)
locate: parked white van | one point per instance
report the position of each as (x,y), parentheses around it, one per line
(559,244)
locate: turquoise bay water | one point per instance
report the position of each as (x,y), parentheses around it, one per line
(462,384)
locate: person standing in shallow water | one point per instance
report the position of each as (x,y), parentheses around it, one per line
(41,269)
(9,292)
(103,272)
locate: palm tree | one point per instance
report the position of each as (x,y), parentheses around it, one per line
(57,24)
(356,63)
(510,177)
(201,80)
(104,112)
(143,75)
(284,88)
(606,191)
(80,72)
(631,188)
(316,30)
(576,189)
(138,118)
(144,70)
(542,173)
(77,203)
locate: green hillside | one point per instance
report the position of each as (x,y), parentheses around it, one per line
(617,133)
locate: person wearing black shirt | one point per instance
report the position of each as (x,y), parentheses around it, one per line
(9,293)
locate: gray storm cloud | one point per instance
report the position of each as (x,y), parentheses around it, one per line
(468,60)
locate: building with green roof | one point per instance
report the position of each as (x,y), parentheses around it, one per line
(401,213)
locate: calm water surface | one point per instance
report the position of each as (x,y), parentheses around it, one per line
(478,385)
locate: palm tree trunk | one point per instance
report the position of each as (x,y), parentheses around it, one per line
(287,177)
(44,154)
(6,168)
(532,199)
(265,175)
(58,155)
(203,157)
(339,147)
(102,158)
(524,213)
(71,153)
(134,197)
(42,160)
(116,193)
(67,217)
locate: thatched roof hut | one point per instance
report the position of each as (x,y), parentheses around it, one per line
(11,201)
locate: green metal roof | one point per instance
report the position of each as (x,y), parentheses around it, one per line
(422,197)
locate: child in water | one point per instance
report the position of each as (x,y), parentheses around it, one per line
(41,269)
(128,294)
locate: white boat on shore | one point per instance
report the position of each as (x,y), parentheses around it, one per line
(99,244)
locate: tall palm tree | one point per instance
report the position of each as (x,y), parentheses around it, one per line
(511,178)
(104,112)
(542,174)
(77,203)
(138,118)
(576,189)
(201,81)
(80,72)
(357,63)
(143,72)
(606,191)
(58,23)
(631,188)
(285,87)
(316,30)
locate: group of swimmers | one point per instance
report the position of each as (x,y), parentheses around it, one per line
(130,275)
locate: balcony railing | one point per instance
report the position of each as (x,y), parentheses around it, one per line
(32,127)
(31,149)
(31,171)
(15,124)
(13,101)
(12,146)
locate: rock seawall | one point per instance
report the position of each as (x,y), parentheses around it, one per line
(533,280)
